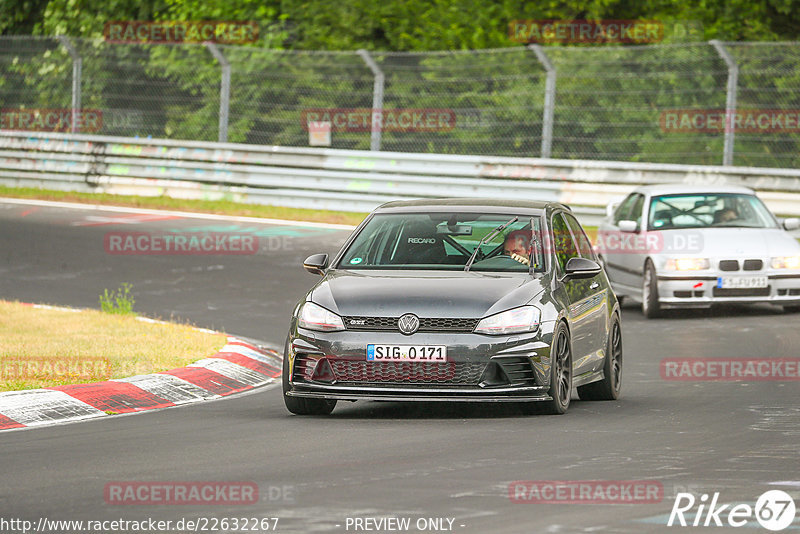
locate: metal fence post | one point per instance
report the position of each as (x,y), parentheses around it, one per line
(224,91)
(549,99)
(77,72)
(377,100)
(730,100)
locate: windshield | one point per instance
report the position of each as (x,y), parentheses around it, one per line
(709,210)
(447,241)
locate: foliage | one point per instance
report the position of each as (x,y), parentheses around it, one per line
(608,98)
(400,24)
(118,301)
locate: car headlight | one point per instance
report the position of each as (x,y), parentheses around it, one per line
(513,321)
(786,262)
(687,264)
(315,317)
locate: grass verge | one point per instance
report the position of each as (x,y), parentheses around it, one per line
(42,347)
(221,207)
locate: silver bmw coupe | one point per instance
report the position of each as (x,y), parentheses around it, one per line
(679,246)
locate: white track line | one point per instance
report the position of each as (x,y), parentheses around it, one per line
(185,214)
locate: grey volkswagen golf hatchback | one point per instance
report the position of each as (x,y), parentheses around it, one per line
(457,300)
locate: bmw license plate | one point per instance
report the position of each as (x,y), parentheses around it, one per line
(406,353)
(741,282)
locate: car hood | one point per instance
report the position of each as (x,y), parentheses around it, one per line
(730,242)
(424,293)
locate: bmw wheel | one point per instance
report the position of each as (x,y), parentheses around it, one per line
(650,304)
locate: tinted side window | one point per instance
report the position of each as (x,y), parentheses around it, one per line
(636,210)
(583,244)
(624,208)
(563,245)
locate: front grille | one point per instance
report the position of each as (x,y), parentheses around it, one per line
(363,372)
(370,323)
(426,324)
(753,265)
(687,294)
(441,324)
(742,292)
(729,265)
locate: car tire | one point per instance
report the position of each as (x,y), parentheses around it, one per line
(609,387)
(299,405)
(651,307)
(560,376)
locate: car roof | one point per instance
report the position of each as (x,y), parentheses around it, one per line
(676,189)
(476,205)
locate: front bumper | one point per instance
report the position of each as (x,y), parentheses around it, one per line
(479,368)
(422,394)
(700,290)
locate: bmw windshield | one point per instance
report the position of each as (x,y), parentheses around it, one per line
(709,210)
(448,241)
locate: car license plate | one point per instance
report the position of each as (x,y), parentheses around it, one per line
(406,353)
(741,282)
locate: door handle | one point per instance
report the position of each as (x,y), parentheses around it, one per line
(594,285)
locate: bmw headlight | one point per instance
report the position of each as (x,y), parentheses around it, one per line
(513,321)
(687,264)
(315,317)
(786,262)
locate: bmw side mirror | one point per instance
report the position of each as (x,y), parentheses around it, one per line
(316,264)
(579,268)
(791,224)
(628,226)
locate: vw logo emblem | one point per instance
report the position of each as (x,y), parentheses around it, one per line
(408,324)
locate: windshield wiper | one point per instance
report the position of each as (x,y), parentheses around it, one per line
(487,237)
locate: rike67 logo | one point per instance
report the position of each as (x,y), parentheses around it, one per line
(774,510)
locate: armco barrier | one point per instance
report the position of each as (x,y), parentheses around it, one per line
(345,179)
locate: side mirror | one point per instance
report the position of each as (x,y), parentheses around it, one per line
(316,264)
(628,226)
(791,224)
(579,268)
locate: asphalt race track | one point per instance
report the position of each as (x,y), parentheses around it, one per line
(383,460)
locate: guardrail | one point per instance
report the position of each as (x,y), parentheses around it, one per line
(346,180)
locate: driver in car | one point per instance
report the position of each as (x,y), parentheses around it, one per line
(517,245)
(725,215)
